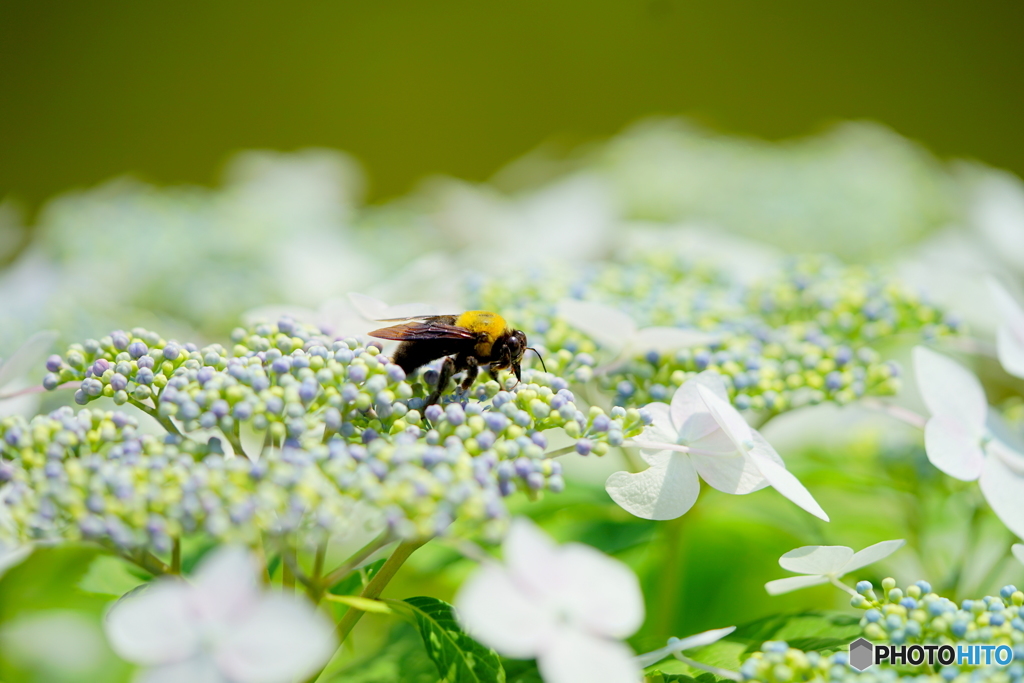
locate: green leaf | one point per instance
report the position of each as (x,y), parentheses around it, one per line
(354,581)
(109,575)
(459,658)
(662,677)
(402,658)
(725,654)
(521,670)
(820,631)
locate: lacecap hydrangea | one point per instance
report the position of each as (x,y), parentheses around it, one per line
(328,423)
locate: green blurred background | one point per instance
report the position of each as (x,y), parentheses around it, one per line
(97,89)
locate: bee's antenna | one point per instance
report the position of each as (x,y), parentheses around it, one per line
(530,348)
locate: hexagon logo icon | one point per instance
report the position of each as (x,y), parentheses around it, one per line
(862,654)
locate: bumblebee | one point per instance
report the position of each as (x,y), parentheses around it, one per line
(465,341)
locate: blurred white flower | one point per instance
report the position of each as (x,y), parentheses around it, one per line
(616,331)
(997,212)
(958,440)
(827,564)
(221,627)
(1010,333)
(676,646)
(1018,551)
(701,434)
(567,606)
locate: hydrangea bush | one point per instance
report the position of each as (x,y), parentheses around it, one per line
(235,501)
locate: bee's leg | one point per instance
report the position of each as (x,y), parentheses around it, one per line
(443,377)
(472,368)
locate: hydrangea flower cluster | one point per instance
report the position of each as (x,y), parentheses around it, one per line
(802,336)
(335,424)
(914,614)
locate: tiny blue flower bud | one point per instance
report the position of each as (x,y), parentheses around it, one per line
(433,412)
(51,381)
(583,446)
(863,587)
(909,603)
(54,363)
(137,349)
(80,397)
(357,373)
(1007,591)
(539,439)
(535,480)
(455,414)
(997,619)
(395,373)
(958,628)
(924,586)
(872,615)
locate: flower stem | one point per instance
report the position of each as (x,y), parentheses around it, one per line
(842,586)
(671,577)
(165,422)
(351,563)
(899,412)
(377,584)
(560,451)
(372,592)
(176,556)
(721,673)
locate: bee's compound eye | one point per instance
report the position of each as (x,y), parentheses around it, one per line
(517,344)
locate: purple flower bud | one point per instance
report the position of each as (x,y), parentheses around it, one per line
(205,374)
(191,348)
(275,405)
(523,467)
(171,351)
(120,340)
(220,408)
(51,381)
(834,380)
(80,398)
(243,410)
(843,355)
(137,349)
(208,420)
(92,387)
(535,480)
(308,391)
(583,446)
(455,414)
(506,487)
(395,373)
(601,423)
(556,484)
(522,418)
(349,393)
(558,384)
(645,416)
(119,419)
(144,376)
(147,362)
(496,422)
(54,363)
(369,434)
(433,412)
(281,365)
(701,359)
(286,326)
(119,382)
(6,471)
(357,373)
(539,439)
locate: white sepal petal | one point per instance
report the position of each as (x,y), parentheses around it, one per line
(496,611)
(607,326)
(949,388)
(871,554)
(153,627)
(609,603)
(1004,490)
(953,447)
(792,583)
(817,559)
(679,645)
(663,339)
(284,638)
(665,490)
(572,656)
(199,669)
(1010,335)
(690,415)
(783,481)
(224,585)
(728,418)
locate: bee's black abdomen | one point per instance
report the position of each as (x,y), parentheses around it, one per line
(414,354)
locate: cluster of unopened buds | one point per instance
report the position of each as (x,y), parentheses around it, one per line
(911,616)
(285,431)
(801,337)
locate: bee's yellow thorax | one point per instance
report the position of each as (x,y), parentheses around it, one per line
(490,325)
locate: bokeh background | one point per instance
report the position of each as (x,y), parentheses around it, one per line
(185,168)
